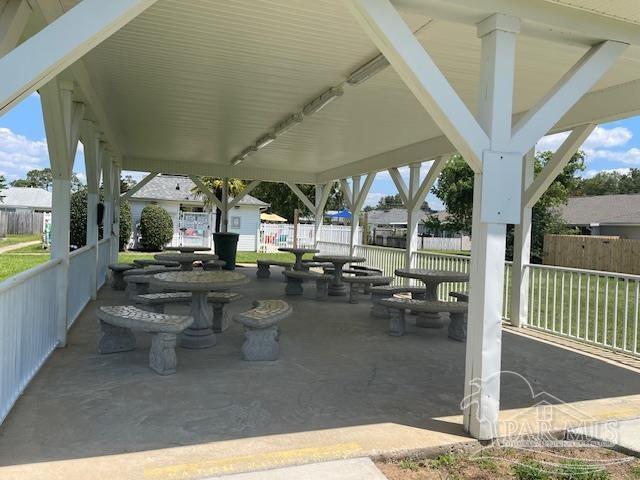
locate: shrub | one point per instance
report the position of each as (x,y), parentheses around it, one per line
(125,224)
(78,234)
(156,228)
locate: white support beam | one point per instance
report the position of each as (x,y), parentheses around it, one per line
(303,198)
(363,191)
(522,250)
(558,161)
(205,190)
(14,15)
(400,185)
(242,194)
(224,217)
(322,196)
(396,41)
(346,192)
(43,56)
(564,94)
(431,177)
(136,188)
(486,282)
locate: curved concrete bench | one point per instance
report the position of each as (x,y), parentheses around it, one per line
(149,262)
(385,291)
(157,301)
(460,296)
(261,329)
(296,277)
(117,323)
(457,314)
(117,275)
(213,265)
(366,281)
(265,265)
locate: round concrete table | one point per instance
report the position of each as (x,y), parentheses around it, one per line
(185,259)
(187,249)
(299,253)
(337,287)
(199,283)
(431,280)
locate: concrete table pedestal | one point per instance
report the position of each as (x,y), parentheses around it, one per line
(337,288)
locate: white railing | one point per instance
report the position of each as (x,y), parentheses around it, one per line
(28,316)
(384,258)
(444,243)
(104,259)
(599,308)
(274,236)
(81,263)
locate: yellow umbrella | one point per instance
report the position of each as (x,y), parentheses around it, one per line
(272,217)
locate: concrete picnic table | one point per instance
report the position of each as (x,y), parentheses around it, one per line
(299,253)
(431,280)
(185,249)
(200,283)
(186,259)
(337,287)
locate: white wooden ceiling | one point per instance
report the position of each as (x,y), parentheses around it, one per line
(196,81)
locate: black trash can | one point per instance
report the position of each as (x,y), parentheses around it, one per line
(226,245)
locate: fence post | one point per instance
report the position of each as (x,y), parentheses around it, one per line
(522,251)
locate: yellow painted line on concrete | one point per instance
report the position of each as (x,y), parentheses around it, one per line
(257,461)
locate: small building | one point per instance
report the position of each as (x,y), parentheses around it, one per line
(193,221)
(25,199)
(609,215)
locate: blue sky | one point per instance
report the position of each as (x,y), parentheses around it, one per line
(612,146)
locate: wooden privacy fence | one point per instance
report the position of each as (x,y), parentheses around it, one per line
(20,223)
(591,252)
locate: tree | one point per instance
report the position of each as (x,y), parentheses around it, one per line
(214,185)
(610,183)
(283,201)
(127,183)
(455,189)
(43,178)
(389,201)
(126,221)
(3,182)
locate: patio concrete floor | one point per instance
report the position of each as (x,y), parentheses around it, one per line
(342,388)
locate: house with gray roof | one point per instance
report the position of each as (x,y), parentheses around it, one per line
(193,221)
(25,199)
(611,215)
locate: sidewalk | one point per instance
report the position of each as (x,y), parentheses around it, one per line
(17,246)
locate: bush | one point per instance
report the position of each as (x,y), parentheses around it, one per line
(125,224)
(156,228)
(78,234)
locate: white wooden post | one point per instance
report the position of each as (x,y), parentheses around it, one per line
(115,196)
(412,214)
(322,195)
(107,189)
(355,213)
(484,336)
(224,221)
(522,251)
(91,142)
(62,120)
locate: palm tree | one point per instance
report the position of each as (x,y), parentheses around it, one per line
(215,185)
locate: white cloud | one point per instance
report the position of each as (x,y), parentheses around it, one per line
(373,198)
(629,157)
(82,177)
(600,138)
(593,173)
(18,154)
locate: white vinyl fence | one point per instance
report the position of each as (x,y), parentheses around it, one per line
(274,236)
(27,328)
(444,243)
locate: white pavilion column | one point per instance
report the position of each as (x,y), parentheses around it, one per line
(484,336)
(522,250)
(322,195)
(355,214)
(115,229)
(91,143)
(413,209)
(107,196)
(62,119)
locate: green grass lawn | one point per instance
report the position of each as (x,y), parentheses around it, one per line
(11,265)
(14,239)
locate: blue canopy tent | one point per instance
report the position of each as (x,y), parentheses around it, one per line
(344,213)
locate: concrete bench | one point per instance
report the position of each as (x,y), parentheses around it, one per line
(365,281)
(261,329)
(265,265)
(460,296)
(296,277)
(213,265)
(117,323)
(149,262)
(140,284)
(386,291)
(157,302)
(117,275)
(457,314)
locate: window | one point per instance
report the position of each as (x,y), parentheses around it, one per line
(235,222)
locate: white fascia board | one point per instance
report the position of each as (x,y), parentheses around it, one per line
(539,18)
(243,172)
